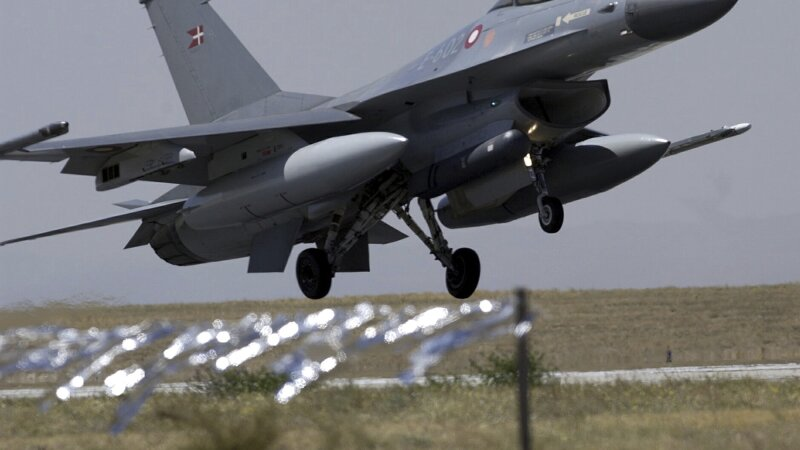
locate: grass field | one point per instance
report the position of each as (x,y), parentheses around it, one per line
(576,330)
(704,415)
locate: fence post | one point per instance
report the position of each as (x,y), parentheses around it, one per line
(521,332)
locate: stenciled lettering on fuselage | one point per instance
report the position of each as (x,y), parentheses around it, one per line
(550,30)
(465,40)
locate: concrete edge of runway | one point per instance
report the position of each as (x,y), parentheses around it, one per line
(771,372)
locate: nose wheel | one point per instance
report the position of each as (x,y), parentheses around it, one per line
(551,210)
(551,215)
(463,267)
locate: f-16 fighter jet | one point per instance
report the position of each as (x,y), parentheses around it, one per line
(492,121)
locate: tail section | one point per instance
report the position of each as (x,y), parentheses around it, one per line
(213,72)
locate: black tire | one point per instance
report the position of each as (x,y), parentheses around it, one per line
(314,274)
(463,281)
(551,217)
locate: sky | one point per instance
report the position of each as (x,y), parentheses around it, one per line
(727,214)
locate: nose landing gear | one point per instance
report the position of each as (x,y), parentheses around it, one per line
(551,210)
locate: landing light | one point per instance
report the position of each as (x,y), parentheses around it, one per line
(532,130)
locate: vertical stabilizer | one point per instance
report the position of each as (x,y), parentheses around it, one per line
(213,72)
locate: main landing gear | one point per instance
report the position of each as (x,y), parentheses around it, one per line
(314,273)
(317,267)
(551,210)
(463,266)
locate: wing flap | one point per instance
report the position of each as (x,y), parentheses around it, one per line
(138,214)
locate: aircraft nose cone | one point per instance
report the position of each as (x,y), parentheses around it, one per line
(667,20)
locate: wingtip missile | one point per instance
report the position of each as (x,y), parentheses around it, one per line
(708,138)
(742,128)
(45,133)
(54,130)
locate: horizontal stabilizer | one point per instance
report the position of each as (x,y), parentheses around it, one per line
(138,214)
(707,138)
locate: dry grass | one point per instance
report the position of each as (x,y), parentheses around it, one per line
(706,415)
(577,330)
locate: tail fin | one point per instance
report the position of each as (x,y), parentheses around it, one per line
(213,72)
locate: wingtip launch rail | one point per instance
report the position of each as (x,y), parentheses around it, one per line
(707,138)
(45,133)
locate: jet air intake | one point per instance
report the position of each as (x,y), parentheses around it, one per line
(555,108)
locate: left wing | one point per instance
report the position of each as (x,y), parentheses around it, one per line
(87,156)
(143,213)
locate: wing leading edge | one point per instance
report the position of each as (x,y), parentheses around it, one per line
(200,138)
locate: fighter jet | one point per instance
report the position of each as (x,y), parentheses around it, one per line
(492,122)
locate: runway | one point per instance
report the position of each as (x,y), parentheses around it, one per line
(773,372)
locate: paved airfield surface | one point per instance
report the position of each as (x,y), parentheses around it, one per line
(771,372)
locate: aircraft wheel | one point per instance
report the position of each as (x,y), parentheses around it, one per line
(463,281)
(314,274)
(551,217)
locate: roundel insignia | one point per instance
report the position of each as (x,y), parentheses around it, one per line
(473,37)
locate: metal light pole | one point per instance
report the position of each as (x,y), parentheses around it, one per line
(521,332)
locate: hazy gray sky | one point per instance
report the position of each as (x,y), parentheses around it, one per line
(727,214)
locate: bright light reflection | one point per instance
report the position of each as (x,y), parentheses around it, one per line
(328,364)
(289,330)
(204,338)
(77,382)
(129,345)
(223,337)
(63,394)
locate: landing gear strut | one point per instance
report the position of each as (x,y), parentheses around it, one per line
(551,210)
(317,267)
(463,266)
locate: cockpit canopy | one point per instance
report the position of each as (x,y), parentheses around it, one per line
(509,3)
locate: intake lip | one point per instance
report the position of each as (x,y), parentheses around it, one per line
(668,20)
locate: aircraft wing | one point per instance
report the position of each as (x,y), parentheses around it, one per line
(146,212)
(86,156)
